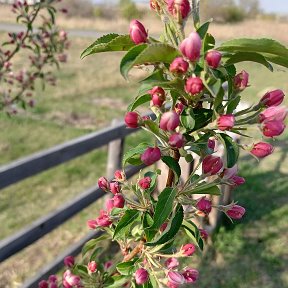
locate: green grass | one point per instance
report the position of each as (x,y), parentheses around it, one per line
(90,93)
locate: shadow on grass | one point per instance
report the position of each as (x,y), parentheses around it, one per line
(252,253)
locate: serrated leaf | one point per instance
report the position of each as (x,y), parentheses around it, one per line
(126,268)
(108,43)
(164,207)
(202,117)
(147,54)
(247,56)
(173,165)
(272,50)
(233,103)
(193,232)
(125,222)
(93,242)
(171,230)
(231,149)
(202,30)
(205,188)
(139,101)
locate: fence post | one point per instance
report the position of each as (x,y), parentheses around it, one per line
(115,154)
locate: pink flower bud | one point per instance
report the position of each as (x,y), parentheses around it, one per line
(213,58)
(108,265)
(151,155)
(188,249)
(176,140)
(273,128)
(141,276)
(158,96)
(171,263)
(169,121)
(103,184)
(43,284)
(92,224)
(103,220)
(236,212)
(119,176)
(69,261)
(115,187)
(181,7)
(241,80)
(211,143)
(171,285)
(92,266)
(53,278)
(273,98)
(191,47)
(179,66)
(179,107)
(262,149)
(137,31)
(273,113)
(211,165)
(225,122)
(53,285)
(145,183)
(132,119)
(119,201)
(175,278)
(203,234)
(194,85)
(237,180)
(204,205)
(230,172)
(109,205)
(70,279)
(190,275)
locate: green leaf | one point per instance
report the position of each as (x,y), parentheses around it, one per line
(164,207)
(133,155)
(231,149)
(109,42)
(171,230)
(247,56)
(202,117)
(116,281)
(147,222)
(139,101)
(126,268)
(233,103)
(93,242)
(205,188)
(193,232)
(209,43)
(272,50)
(187,119)
(202,30)
(125,222)
(147,54)
(173,165)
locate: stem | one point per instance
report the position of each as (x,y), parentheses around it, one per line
(170,178)
(135,251)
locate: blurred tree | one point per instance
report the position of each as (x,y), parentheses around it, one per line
(251,7)
(129,10)
(79,8)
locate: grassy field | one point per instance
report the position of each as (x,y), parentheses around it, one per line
(90,93)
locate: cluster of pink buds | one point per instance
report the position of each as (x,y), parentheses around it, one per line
(272,119)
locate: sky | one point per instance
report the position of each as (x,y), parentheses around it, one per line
(277,6)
